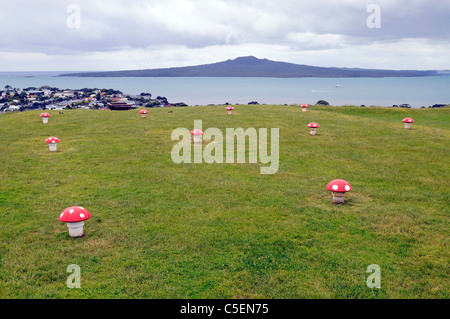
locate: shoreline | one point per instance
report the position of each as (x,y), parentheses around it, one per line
(384,92)
(441,106)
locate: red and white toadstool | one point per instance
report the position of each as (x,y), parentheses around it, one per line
(230,110)
(143,113)
(408,122)
(313,127)
(197,135)
(74,217)
(339,187)
(45,117)
(51,141)
(304,107)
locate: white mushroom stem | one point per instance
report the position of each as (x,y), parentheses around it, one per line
(197,138)
(75,229)
(313,131)
(45,120)
(230,112)
(408,126)
(338,197)
(304,109)
(52,147)
(143,116)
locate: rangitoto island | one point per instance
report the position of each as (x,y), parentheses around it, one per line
(251,66)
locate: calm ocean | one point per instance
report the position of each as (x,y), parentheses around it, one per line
(417,91)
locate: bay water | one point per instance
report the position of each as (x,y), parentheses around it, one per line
(416,91)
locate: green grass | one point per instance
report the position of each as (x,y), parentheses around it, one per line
(165,230)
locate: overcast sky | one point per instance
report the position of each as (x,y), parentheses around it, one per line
(55,35)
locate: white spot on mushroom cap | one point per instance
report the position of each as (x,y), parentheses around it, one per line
(335,187)
(60,216)
(82,215)
(71,211)
(347,188)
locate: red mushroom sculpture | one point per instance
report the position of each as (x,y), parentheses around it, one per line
(313,127)
(230,110)
(304,107)
(143,113)
(197,135)
(408,122)
(74,217)
(45,117)
(52,143)
(339,187)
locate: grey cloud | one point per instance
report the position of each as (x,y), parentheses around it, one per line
(40,26)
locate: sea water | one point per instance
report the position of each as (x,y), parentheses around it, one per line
(416,91)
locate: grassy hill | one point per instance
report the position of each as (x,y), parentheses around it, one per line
(166,230)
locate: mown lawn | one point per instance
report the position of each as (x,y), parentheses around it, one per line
(166,230)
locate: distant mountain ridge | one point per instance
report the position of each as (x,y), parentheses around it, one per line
(251,66)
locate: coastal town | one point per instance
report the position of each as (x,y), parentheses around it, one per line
(52,98)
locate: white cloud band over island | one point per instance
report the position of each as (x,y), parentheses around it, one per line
(85,35)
